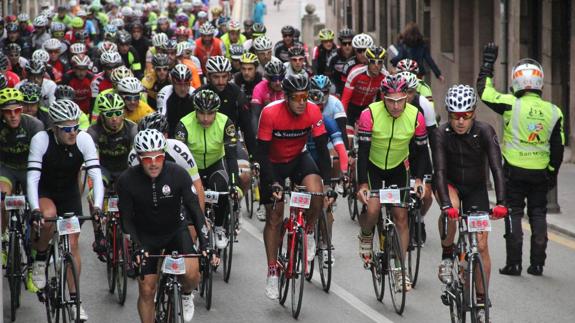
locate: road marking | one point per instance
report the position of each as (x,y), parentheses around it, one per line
(560,239)
(335,289)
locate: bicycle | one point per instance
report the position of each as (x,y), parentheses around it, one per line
(251,194)
(460,294)
(58,262)
(350,190)
(415,239)
(18,263)
(388,258)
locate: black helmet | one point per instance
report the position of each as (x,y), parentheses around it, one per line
(65,92)
(296,51)
(35,67)
(124,38)
(294,83)
(206,101)
(154,120)
(345,33)
(160,60)
(275,67)
(259,28)
(288,30)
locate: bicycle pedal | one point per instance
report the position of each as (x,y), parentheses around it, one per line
(445,299)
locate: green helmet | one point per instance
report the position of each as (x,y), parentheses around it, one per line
(31,92)
(326,34)
(206,101)
(110,101)
(10,96)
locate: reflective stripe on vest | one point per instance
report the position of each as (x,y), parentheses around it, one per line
(526,136)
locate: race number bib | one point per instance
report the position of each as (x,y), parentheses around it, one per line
(68,226)
(300,200)
(15,202)
(389,196)
(478,223)
(113,204)
(212,197)
(174,266)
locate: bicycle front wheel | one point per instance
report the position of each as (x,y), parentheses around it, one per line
(177,308)
(299,263)
(66,302)
(377,265)
(14,272)
(395,269)
(110,256)
(324,261)
(477,281)
(121,265)
(414,248)
(50,292)
(230,226)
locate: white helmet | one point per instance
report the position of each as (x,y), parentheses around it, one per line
(119,73)
(127,12)
(207,29)
(41,55)
(129,85)
(159,39)
(262,43)
(78,48)
(110,58)
(410,78)
(234,25)
(218,64)
(149,140)
(362,41)
(527,75)
(40,21)
(460,98)
(81,61)
(23,17)
(64,110)
(182,47)
(52,44)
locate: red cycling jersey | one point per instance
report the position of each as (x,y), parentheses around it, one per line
(12,78)
(99,84)
(82,89)
(287,132)
(360,88)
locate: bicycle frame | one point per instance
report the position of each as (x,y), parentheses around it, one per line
(294,223)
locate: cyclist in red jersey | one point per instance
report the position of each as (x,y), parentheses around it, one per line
(58,61)
(207,45)
(283,131)
(11,78)
(101,82)
(80,79)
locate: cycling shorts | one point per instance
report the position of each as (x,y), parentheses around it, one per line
(472,195)
(13,177)
(181,242)
(396,176)
(296,170)
(65,202)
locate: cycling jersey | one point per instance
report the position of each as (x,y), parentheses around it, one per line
(320,57)
(203,53)
(136,115)
(113,148)
(153,86)
(247,87)
(178,107)
(19,68)
(99,84)
(290,71)
(281,50)
(333,108)
(426,108)
(424,89)
(360,87)
(15,142)
(59,68)
(48,90)
(132,61)
(12,78)
(227,43)
(335,142)
(82,89)
(263,95)
(53,168)
(177,152)
(195,70)
(458,159)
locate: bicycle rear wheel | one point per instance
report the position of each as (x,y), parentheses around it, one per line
(352,197)
(377,265)
(52,288)
(395,269)
(14,272)
(299,264)
(110,256)
(162,301)
(230,226)
(283,259)
(475,267)
(414,248)
(323,243)
(121,265)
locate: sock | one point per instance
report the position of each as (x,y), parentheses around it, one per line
(72,296)
(447,252)
(366,233)
(272,268)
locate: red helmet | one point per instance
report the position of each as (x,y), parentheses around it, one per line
(393,84)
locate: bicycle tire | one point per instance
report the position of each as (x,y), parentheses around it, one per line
(475,267)
(323,239)
(299,262)
(394,260)
(161,301)
(457,315)
(230,226)
(377,266)
(177,306)
(121,266)
(414,248)
(249,198)
(49,292)
(110,257)
(13,273)
(282,258)
(67,307)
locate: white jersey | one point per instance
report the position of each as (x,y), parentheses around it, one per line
(163,96)
(428,111)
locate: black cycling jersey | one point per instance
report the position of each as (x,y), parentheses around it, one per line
(337,68)
(15,143)
(177,109)
(113,148)
(320,58)
(281,50)
(460,159)
(247,87)
(151,209)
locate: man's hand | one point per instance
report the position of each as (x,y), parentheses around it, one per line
(277,191)
(419,188)
(97,214)
(490,53)
(214,259)
(363,193)
(140,256)
(236,192)
(330,196)
(37,218)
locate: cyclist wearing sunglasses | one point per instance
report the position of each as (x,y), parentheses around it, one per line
(284,127)
(288,41)
(108,62)
(155,81)
(322,51)
(208,45)
(36,73)
(360,43)
(55,160)
(11,78)
(31,98)
(129,89)
(461,148)
(17,62)
(268,90)
(41,33)
(175,100)
(297,63)
(119,73)
(80,79)
(58,61)
(338,59)
(248,76)
(262,47)
(385,130)
(152,197)
(13,36)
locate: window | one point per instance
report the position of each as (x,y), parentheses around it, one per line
(383,22)
(360,17)
(447,29)
(371,15)
(348,16)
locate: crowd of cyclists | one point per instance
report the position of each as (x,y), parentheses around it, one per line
(161,104)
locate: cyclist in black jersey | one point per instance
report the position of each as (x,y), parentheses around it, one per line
(151,196)
(175,101)
(338,59)
(248,76)
(281,48)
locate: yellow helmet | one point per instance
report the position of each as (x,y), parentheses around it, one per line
(375,52)
(249,58)
(326,34)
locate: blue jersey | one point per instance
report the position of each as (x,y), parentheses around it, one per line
(333,109)
(334,134)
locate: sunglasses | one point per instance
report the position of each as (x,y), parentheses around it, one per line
(276,78)
(395,100)
(360,50)
(316,96)
(113,113)
(284,36)
(297,59)
(162,68)
(54,51)
(300,97)
(346,43)
(69,129)
(131,97)
(12,111)
(375,61)
(458,115)
(150,160)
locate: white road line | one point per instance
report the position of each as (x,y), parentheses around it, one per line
(334,289)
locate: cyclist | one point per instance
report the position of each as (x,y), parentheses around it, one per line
(175,101)
(208,45)
(236,52)
(233,36)
(58,61)
(323,51)
(360,44)
(533,141)
(216,153)
(128,53)
(66,92)
(283,131)
(41,33)
(31,98)
(330,105)
(268,90)
(13,36)
(11,78)
(151,197)
(55,159)
(108,61)
(258,30)
(119,73)
(157,41)
(409,65)
(385,130)
(263,49)
(184,56)
(36,71)
(155,81)
(129,89)
(248,76)
(288,40)
(80,79)
(297,63)
(17,62)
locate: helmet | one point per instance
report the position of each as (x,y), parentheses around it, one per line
(222,21)
(171,44)
(180,73)
(460,98)
(23,17)
(55,26)
(249,58)
(35,67)
(262,43)
(375,52)
(112,59)
(31,92)
(154,120)
(294,83)
(3,61)
(160,60)
(81,13)
(41,21)
(258,29)
(202,14)
(527,75)
(107,46)
(218,64)
(110,32)
(296,51)
(275,67)
(13,47)
(236,51)
(198,3)
(64,110)
(149,140)
(362,41)
(81,60)
(318,97)
(288,30)
(119,73)
(296,34)
(182,47)
(234,25)
(248,23)
(52,44)
(182,18)
(159,39)
(207,29)
(408,65)
(393,84)
(48,13)
(3,81)
(77,23)
(65,92)
(127,11)
(410,78)
(163,20)
(206,101)
(129,85)
(111,101)
(216,10)
(320,82)
(10,95)
(78,48)
(182,31)
(326,34)
(41,55)
(12,27)
(124,38)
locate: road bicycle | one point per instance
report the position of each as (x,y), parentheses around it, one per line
(350,190)
(415,238)
(252,195)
